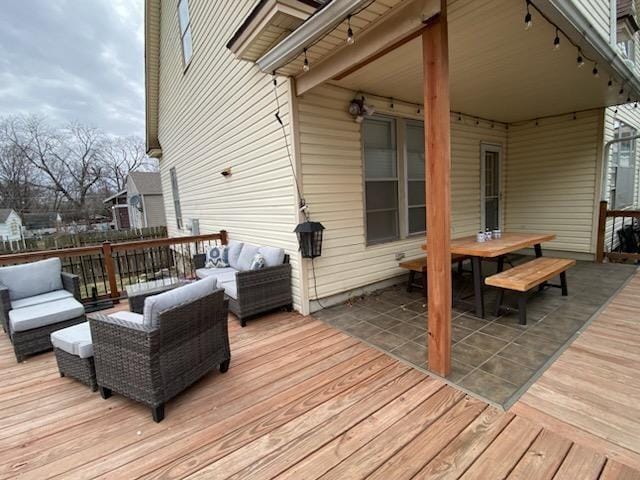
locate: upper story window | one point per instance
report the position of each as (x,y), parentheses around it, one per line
(626,29)
(623,161)
(394,175)
(185,31)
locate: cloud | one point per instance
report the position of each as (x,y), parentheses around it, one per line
(74,60)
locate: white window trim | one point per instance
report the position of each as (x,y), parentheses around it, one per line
(499,149)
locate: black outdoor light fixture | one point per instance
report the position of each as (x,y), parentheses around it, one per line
(310,239)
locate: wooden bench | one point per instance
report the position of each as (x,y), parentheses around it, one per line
(527,276)
(419,265)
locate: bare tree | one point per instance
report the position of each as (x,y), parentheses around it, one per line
(121,156)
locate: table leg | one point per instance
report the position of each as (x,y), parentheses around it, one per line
(476,263)
(538,248)
(500,263)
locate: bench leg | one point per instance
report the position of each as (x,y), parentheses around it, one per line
(538,249)
(522,308)
(412,277)
(499,301)
(500,263)
(563,284)
(105,392)
(158,413)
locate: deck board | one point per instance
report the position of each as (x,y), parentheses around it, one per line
(590,393)
(303,400)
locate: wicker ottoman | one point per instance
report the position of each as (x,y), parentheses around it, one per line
(74,353)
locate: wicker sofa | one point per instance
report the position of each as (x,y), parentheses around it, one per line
(153,355)
(37,299)
(251,292)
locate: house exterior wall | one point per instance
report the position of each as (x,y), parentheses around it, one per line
(599,14)
(332,175)
(219,114)
(12,228)
(552,176)
(154,211)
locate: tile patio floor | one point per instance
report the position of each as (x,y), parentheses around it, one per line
(495,358)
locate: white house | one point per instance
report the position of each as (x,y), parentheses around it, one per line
(10,225)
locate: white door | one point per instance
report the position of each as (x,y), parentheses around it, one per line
(491,186)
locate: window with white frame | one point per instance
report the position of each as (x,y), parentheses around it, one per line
(626,42)
(623,161)
(394,178)
(185,31)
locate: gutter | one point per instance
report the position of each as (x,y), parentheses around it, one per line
(316,27)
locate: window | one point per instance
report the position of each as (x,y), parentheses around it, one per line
(185,31)
(626,42)
(176,197)
(381,179)
(394,172)
(623,161)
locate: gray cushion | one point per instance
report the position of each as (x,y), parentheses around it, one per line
(234,253)
(230,288)
(128,317)
(155,305)
(246,256)
(218,273)
(32,279)
(42,298)
(75,340)
(273,256)
(36,316)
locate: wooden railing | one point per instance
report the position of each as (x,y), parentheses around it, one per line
(622,242)
(106,270)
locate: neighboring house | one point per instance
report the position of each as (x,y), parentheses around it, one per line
(528,124)
(141,204)
(10,225)
(38,224)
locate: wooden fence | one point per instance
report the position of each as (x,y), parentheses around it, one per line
(80,239)
(106,270)
(623,225)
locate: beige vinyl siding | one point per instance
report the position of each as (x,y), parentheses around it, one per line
(220,114)
(331,156)
(154,210)
(551,179)
(598,13)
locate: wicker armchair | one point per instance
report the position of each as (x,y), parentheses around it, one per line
(37,340)
(257,291)
(151,365)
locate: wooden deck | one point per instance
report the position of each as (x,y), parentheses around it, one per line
(301,401)
(591,393)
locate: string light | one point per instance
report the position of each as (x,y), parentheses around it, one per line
(595,70)
(610,84)
(580,60)
(556,41)
(527,18)
(621,92)
(305,65)
(350,40)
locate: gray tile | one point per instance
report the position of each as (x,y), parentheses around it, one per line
(413,353)
(484,342)
(524,356)
(365,314)
(458,333)
(558,334)
(539,344)
(363,330)
(472,323)
(458,371)
(387,341)
(402,313)
(342,321)
(420,322)
(501,331)
(490,387)
(385,322)
(406,331)
(422,339)
(508,370)
(419,307)
(469,355)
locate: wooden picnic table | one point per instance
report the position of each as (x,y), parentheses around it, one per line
(497,248)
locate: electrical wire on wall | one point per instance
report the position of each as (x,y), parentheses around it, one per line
(302,205)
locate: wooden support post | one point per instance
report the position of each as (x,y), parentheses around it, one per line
(224,238)
(602,227)
(435,51)
(110,267)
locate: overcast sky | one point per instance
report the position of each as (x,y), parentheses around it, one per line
(74,60)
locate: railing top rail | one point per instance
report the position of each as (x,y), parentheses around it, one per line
(26,257)
(623,213)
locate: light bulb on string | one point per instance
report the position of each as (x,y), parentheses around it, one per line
(628,99)
(580,60)
(350,39)
(528,23)
(595,71)
(305,65)
(610,84)
(556,41)
(621,91)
